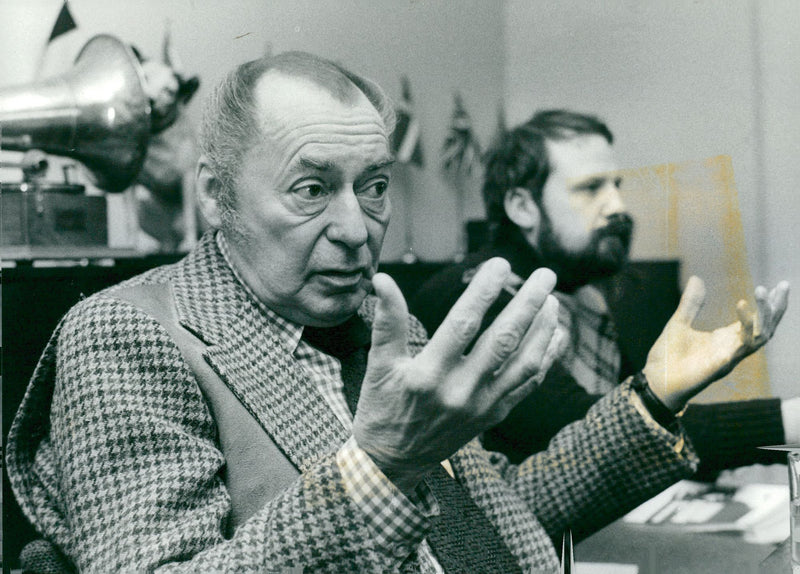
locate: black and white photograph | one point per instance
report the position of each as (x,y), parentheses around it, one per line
(412,286)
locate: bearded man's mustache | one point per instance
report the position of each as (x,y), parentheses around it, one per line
(619,225)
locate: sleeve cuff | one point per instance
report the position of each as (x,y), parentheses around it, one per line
(399,523)
(674,436)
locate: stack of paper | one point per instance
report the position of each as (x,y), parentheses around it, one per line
(759,511)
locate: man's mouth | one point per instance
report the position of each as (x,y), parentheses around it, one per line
(342,278)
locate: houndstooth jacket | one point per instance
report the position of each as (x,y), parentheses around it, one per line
(114,455)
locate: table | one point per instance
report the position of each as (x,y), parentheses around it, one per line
(657,551)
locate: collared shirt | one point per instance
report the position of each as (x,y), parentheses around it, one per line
(592,356)
(397,522)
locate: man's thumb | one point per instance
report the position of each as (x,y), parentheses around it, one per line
(390,326)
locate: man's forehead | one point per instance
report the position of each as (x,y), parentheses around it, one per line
(284,101)
(582,157)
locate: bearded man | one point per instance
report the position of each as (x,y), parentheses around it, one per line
(552,195)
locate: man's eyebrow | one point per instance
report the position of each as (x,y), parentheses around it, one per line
(380,164)
(319,165)
(591,181)
(326,165)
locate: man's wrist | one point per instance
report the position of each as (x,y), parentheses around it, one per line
(660,412)
(404,477)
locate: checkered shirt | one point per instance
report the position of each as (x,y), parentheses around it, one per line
(592,356)
(396,520)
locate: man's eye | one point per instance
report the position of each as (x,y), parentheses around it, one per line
(310,191)
(589,188)
(375,189)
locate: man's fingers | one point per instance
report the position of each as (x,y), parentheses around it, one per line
(758,328)
(536,352)
(747,320)
(464,320)
(390,325)
(691,301)
(771,307)
(763,318)
(505,335)
(778,301)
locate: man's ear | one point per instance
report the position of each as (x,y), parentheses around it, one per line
(207,184)
(521,209)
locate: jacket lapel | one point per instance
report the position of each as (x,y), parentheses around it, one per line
(248,354)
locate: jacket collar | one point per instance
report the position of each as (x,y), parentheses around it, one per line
(248,353)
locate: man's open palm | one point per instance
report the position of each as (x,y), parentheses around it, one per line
(683,361)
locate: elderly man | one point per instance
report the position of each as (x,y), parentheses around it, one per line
(552,192)
(253,408)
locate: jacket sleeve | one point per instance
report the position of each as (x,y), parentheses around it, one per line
(600,467)
(139,469)
(725,435)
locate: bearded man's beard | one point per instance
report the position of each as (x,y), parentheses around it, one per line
(606,253)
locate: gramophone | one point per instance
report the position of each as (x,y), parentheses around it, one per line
(98,114)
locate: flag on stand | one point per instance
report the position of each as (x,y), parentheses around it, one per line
(406,142)
(461,152)
(64,23)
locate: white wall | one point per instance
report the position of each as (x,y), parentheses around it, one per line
(680,81)
(676,80)
(442,47)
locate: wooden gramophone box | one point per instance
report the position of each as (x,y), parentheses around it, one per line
(51,214)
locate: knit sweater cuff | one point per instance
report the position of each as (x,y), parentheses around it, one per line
(727,434)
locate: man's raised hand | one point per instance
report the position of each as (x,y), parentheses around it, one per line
(683,361)
(415,412)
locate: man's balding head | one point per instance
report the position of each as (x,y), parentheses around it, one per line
(229,125)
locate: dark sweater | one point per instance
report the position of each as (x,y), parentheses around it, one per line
(725,434)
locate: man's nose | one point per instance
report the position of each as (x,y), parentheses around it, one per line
(612,201)
(347,219)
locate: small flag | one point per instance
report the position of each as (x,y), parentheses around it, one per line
(64,23)
(406,141)
(461,151)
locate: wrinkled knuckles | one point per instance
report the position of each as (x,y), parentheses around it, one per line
(421,380)
(504,342)
(457,401)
